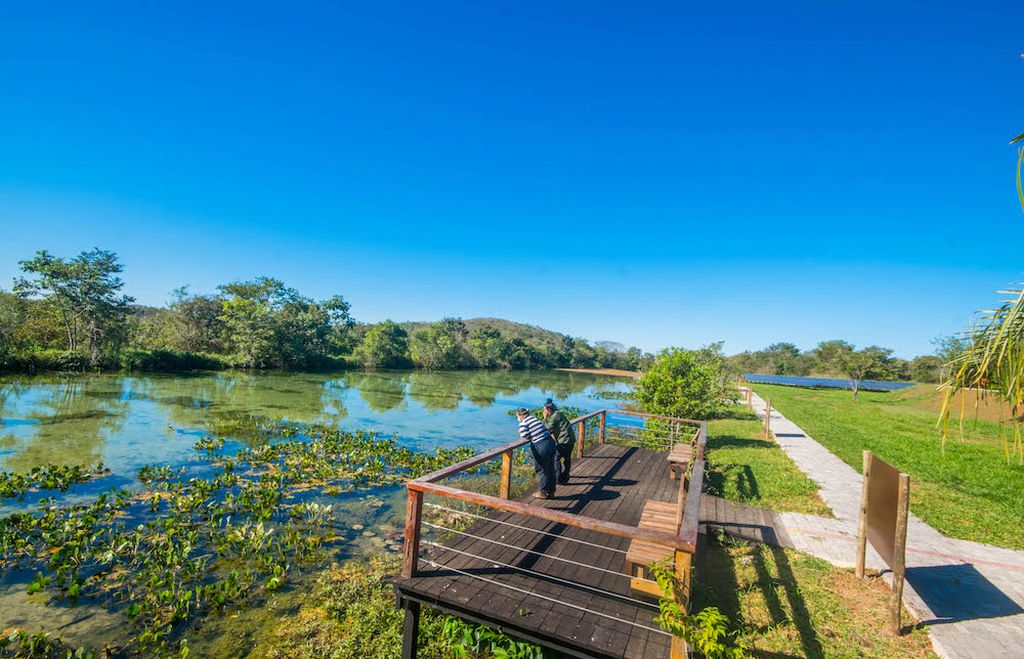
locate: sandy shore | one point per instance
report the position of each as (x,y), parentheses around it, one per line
(603,371)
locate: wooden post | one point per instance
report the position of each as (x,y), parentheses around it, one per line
(862,521)
(411,546)
(582,437)
(682,569)
(410,629)
(750,399)
(767,419)
(600,433)
(899,555)
(506,474)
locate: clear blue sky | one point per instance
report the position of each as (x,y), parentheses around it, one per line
(655,174)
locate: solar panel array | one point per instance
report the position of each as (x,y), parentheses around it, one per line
(825,383)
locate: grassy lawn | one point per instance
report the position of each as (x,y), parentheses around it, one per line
(969,492)
(788,604)
(743,467)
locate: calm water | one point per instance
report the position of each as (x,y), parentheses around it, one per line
(827,383)
(130,421)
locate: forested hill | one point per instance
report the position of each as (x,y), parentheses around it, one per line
(510,329)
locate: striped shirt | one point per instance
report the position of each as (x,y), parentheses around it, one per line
(533,430)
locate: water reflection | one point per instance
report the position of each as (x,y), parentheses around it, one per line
(129,421)
(65,421)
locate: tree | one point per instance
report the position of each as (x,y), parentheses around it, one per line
(196,324)
(84,292)
(441,345)
(785,359)
(12,318)
(860,365)
(926,368)
(489,348)
(247,312)
(686,383)
(385,345)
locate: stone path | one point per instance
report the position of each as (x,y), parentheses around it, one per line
(970,595)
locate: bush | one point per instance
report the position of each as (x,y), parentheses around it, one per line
(691,384)
(44,359)
(169,361)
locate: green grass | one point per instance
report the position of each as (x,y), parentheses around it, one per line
(968,492)
(787,604)
(744,467)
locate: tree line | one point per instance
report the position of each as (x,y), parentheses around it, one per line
(72,314)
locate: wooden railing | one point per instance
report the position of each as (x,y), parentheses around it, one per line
(683,544)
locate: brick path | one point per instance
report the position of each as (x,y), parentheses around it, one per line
(970,595)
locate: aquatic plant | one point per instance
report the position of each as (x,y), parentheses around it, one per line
(48,477)
(178,546)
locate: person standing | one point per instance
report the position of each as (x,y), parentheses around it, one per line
(543,448)
(565,440)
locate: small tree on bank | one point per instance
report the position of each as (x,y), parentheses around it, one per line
(686,383)
(84,292)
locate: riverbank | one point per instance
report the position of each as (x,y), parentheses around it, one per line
(603,371)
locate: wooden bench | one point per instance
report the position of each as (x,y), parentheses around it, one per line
(657,516)
(679,459)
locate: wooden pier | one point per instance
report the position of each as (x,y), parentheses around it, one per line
(555,571)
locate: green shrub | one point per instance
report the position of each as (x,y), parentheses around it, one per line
(168,361)
(35,360)
(691,384)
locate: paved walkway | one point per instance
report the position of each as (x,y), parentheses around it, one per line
(970,595)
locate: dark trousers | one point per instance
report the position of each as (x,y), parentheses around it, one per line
(563,462)
(544,464)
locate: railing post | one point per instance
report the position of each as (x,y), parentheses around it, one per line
(582,437)
(506,474)
(767,418)
(682,570)
(411,547)
(862,519)
(604,420)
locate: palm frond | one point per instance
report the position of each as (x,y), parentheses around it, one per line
(992,365)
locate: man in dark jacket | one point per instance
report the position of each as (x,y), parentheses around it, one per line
(565,439)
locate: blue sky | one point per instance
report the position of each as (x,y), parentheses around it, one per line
(652,173)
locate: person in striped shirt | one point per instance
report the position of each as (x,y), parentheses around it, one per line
(543,448)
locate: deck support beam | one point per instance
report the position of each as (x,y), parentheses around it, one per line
(410,628)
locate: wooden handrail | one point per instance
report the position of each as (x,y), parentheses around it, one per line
(469,463)
(655,416)
(556,516)
(586,417)
(691,514)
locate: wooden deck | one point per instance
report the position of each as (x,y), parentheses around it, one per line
(744,521)
(544,596)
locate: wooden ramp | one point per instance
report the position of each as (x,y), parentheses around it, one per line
(563,587)
(743,521)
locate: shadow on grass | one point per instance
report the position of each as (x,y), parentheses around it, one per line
(718,586)
(731,441)
(746,482)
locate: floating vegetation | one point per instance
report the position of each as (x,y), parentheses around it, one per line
(177,546)
(49,477)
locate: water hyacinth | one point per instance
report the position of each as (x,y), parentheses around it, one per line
(178,546)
